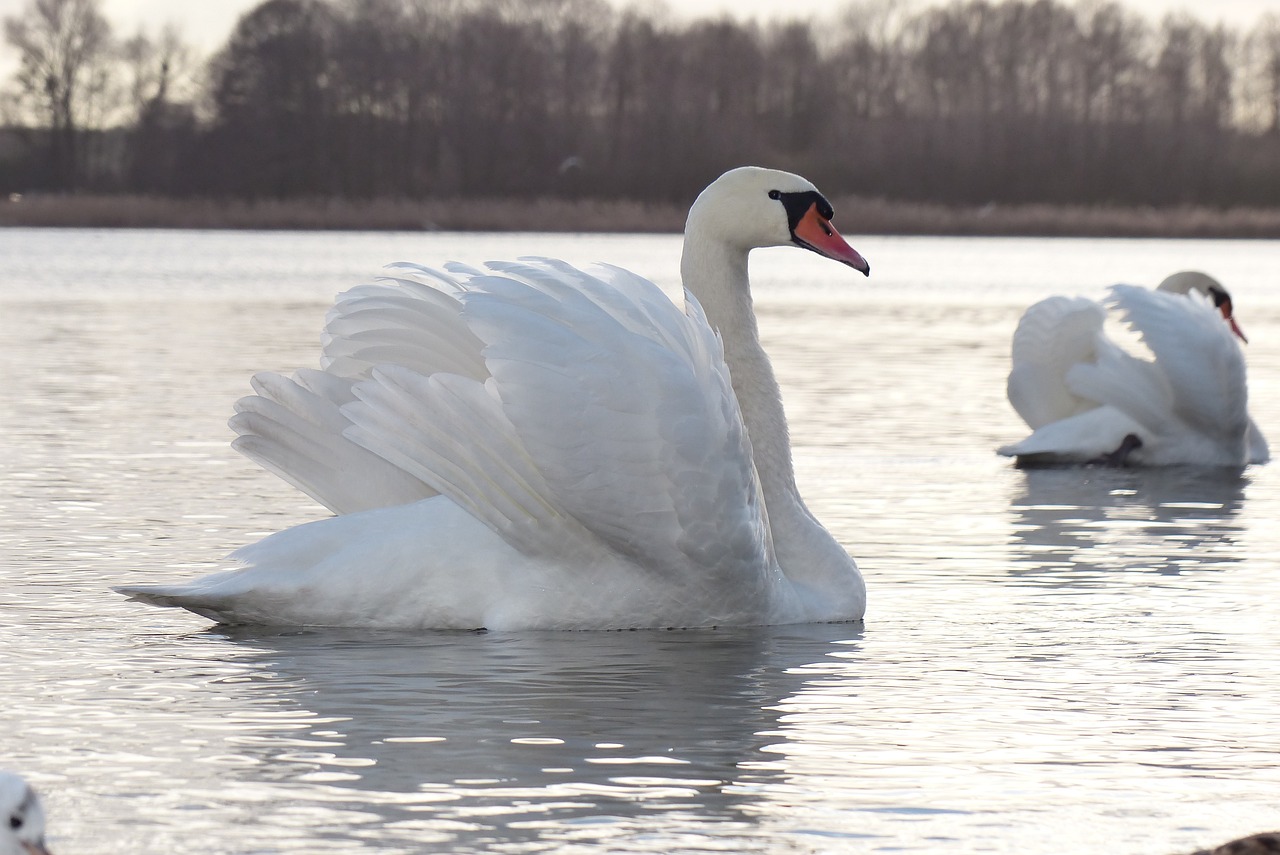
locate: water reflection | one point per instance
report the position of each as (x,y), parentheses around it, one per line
(1086,522)
(543,728)
(1086,654)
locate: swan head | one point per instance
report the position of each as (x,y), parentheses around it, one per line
(22,832)
(1193,280)
(751,207)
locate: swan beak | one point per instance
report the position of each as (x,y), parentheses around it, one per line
(35,848)
(816,233)
(1225,308)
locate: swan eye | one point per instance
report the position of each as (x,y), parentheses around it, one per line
(15,822)
(775,194)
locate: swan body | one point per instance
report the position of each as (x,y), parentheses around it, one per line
(536,446)
(22,830)
(1088,400)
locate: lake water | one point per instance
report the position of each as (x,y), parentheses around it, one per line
(1070,661)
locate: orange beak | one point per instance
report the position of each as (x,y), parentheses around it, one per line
(1225,308)
(815,232)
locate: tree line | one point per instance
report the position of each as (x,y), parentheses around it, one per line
(971,102)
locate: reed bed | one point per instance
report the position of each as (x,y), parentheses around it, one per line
(854,216)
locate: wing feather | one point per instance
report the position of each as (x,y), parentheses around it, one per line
(627,407)
(295,428)
(1052,336)
(1195,352)
(450,432)
(1131,385)
(295,431)
(556,405)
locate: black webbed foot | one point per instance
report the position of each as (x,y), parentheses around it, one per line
(1120,457)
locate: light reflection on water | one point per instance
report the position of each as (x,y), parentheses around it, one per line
(1077,656)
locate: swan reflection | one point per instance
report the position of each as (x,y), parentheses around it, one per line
(543,730)
(1167,520)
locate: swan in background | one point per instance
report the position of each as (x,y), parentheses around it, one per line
(1088,400)
(537,446)
(22,830)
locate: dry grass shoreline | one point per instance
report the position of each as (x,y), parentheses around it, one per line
(854,216)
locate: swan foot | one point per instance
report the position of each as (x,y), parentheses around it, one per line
(1120,457)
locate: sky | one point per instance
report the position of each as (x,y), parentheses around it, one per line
(206,23)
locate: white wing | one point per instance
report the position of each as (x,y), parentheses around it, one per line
(1052,336)
(294,426)
(401,321)
(608,415)
(1195,352)
(625,404)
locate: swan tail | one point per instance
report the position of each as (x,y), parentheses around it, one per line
(1259,450)
(1053,335)
(220,609)
(426,563)
(294,428)
(1082,438)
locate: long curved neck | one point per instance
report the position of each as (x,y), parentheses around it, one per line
(723,290)
(825,578)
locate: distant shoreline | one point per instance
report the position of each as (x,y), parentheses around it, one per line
(853,216)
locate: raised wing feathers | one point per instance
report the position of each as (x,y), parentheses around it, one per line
(1195,351)
(557,406)
(293,427)
(1052,335)
(626,404)
(450,432)
(401,322)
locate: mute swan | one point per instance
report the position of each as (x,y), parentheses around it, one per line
(536,446)
(1089,401)
(22,830)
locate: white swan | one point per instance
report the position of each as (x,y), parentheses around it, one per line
(1090,401)
(22,818)
(542,447)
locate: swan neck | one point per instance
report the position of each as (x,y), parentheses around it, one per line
(716,275)
(823,575)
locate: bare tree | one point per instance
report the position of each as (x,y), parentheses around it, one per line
(158,69)
(272,96)
(63,48)
(1263,108)
(158,82)
(968,101)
